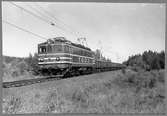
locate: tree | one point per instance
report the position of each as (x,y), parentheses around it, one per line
(162,59)
(148,60)
(22,66)
(155,63)
(32,62)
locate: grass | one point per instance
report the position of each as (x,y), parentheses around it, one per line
(110,92)
(16,70)
(11,104)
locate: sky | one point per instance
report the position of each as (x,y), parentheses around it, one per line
(119,30)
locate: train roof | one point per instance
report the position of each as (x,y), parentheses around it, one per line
(63,40)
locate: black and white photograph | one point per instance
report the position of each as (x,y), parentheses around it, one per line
(83,57)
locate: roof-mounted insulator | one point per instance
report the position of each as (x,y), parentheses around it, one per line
(52,24)
(49,41)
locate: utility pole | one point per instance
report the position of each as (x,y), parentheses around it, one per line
(100,46)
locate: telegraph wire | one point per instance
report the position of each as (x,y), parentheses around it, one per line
(37,11)
(58,20)
(52,16)
(43,15)
(13,25)
(49,22)
(29,12)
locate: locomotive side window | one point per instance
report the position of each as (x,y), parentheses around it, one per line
(81,52)
(77,51)
(49,49)
(71,49)
(84,53)
(66,49)
(53,48)
(74,51)
(58,48)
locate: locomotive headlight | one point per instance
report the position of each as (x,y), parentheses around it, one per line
(57,58)
(41,59)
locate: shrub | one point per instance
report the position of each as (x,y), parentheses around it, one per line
(32,62)
(80,96)
(123,71)
(15,74)
(22,66)
(141,79)
(161,77)
(12,105)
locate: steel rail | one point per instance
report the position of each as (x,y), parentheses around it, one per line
(26,82)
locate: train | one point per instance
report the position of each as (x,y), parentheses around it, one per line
(61,56)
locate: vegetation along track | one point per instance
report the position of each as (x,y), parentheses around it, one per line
(33,81)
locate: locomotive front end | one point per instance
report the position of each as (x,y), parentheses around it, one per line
(52,57)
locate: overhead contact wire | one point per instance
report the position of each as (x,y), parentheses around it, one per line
(23,29)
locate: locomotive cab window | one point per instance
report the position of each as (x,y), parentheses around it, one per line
(42,49)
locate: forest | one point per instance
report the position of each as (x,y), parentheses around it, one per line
(147,61)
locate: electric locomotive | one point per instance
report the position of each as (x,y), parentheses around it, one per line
(60,55)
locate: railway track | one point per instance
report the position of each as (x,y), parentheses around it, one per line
(30,81)
(37,80)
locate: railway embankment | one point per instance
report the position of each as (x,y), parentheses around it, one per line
(108,92)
